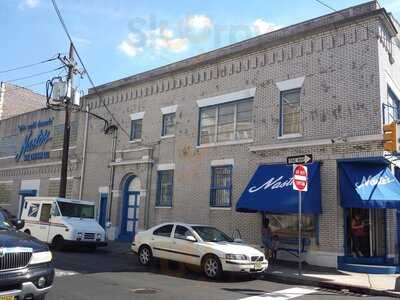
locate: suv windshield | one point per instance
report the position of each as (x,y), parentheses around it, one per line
(211,234)
(76,210)
(4,224)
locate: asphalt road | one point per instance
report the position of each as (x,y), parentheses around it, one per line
(110,276)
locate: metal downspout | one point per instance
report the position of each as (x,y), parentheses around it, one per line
(84,154)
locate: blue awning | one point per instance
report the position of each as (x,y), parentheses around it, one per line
(270,190)
(368,185)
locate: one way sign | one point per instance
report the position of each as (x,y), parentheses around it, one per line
(299,159)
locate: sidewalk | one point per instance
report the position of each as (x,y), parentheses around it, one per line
(371,284)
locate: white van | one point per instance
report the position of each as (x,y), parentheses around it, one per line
(61,222)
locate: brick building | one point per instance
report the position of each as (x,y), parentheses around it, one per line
(15,100)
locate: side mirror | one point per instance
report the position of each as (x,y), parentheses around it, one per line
(240,241)
(18,224)
(191,238)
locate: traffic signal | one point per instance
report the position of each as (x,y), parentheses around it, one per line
(390,137)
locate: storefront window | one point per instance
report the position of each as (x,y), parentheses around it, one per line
(288,225)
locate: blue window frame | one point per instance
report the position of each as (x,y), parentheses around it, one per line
(221,186)
(165,188)
(289,120)
(136,129)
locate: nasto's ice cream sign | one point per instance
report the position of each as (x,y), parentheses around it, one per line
(36,136)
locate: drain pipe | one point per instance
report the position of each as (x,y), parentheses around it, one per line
(148,189)
(84,154)
(114,130)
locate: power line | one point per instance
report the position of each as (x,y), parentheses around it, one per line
(84,67)
(34,75)
(29,65)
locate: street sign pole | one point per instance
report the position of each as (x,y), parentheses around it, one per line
(300,233)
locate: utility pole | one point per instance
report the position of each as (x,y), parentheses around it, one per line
(67,123)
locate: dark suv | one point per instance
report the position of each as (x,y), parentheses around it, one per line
(26,267)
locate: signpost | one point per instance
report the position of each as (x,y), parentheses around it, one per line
(300,183)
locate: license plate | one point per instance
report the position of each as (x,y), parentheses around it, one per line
(257,266)
(7,297)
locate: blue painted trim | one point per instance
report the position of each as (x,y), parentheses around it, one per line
(124,234)
(103,209)
(370,269)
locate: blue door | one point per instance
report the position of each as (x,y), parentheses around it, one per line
(22,195)
(103,210)
(130,212)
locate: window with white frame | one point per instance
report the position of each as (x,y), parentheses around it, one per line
(289,112)
(168,124)
(221,186)
(226,122)
(393,109)
(136,129)
(165,187)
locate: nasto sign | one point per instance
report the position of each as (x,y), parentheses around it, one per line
(36,136)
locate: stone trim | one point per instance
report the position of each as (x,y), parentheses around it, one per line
(239,95)
(223,162)
(290,84)
(169,109)
(164,167)
(138,115)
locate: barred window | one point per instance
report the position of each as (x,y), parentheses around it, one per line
(136,129)
(221,186)
(226,122)
(290,112)
(168,124)
(165,187)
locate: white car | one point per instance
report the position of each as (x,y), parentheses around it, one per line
(199,245)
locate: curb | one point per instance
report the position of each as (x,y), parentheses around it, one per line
(329,285)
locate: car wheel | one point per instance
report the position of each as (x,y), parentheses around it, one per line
(41,297)
(145,256)
(58,243)
(27,232)
(212,267)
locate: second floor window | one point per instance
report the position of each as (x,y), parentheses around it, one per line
(290,112)
(136,129)
(168,124)
(165,187)
(226,122)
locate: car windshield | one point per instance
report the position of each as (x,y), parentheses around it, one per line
(76,210)
(211,234)
(4,222)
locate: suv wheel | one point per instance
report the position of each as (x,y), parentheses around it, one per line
(212,267)
(145,256)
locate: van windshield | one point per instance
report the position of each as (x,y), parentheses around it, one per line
(76,210)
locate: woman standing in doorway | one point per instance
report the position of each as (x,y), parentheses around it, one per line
(357,233)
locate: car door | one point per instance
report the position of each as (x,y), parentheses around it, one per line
(161,241)
(183,249)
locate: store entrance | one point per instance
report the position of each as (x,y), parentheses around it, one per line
(366,232)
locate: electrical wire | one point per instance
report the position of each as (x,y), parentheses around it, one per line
(29,65)
(34,75)
(85,69)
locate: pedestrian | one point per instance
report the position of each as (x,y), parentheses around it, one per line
(357,234)
(275,247)
(266,234)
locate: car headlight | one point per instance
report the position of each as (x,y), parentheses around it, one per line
(236,257)
(41,257)
(79,235)
(98,236)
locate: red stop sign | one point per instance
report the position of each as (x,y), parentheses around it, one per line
(300,178)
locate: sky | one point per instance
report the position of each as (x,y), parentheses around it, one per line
(120,38)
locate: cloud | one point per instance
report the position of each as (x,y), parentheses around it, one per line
(28,4)
(163,39)
(130,46)
(260,26)
(199,22)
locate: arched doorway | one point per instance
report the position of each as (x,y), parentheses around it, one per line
(130,208)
